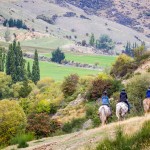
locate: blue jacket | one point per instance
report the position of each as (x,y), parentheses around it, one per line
(148,93)
(105,100)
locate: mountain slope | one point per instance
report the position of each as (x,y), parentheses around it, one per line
(68,21)
(86,139)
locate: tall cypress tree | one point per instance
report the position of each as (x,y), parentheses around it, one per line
(35,68)
(2,59)
(15,64)
(29,75)
(92,40)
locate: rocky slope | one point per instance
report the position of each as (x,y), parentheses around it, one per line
(132,13)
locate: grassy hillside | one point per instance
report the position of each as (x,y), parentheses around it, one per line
(58,72)
(86,139)
(29,10)
(103,61)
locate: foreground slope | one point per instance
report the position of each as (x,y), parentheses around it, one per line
(86,139)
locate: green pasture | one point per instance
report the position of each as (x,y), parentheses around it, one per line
(58,72)
(47,42)
(101,60)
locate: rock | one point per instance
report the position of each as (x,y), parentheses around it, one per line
(80,99)
(69,14)
(88,124)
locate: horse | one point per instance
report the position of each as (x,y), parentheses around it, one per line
(121,110)
(146,105)
(104,113)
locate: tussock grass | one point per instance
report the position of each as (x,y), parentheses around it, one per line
(138,140)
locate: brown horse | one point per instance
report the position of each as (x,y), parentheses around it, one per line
(146,105)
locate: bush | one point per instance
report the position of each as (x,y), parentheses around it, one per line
(99,85)
(22,139)
(42,125)
(39,124)
(122,66)
(73,126)
(139,140)
(136,90)
(45,82)
(13,120)
(5,83)
(69,84)
(92,113)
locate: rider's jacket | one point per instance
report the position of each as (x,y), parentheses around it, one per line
(105,100)
(148,93)
(123,96)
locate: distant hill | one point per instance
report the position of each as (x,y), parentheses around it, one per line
(75,20)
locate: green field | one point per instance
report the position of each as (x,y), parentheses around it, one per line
(47,42)
(102,60)
(58,72)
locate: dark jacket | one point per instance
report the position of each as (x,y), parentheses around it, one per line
(123,96)
(148,93)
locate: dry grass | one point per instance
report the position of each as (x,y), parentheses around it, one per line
(87,139)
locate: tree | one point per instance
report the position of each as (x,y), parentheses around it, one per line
(12,120)
(25,89)
(2,59)
(29,74)
(15,64)
(69,85)
(92,40)
(57,56)
(35,68)
(7,35)
(105,42)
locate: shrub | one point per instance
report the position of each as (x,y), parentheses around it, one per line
(5,83)
(42,125)
(136,90)
(139,140)
(13,120)
(69,84)
(39,124)
(99,85)
(44,82)
(43,106)
(92,113)
(122,66)
(22,139)
(74,125)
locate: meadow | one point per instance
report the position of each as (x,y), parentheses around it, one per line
(58,72)
(101,60)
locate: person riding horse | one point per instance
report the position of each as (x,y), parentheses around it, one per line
(148,93)
(124,98)
(106,101)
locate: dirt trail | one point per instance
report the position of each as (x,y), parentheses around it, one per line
(85,139)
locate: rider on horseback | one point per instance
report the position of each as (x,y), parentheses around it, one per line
(148,93)
(124,98)
(105,101)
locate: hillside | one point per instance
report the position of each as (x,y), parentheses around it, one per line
(86,139)
(65,23)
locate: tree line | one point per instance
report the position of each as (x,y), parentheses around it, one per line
(15,65)
(15,23)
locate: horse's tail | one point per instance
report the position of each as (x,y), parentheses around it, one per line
(118,112)
(103,115)
(146,105)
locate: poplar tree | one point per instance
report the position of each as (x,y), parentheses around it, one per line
(35,68)
(15,64)
(92,40)
(29,75)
